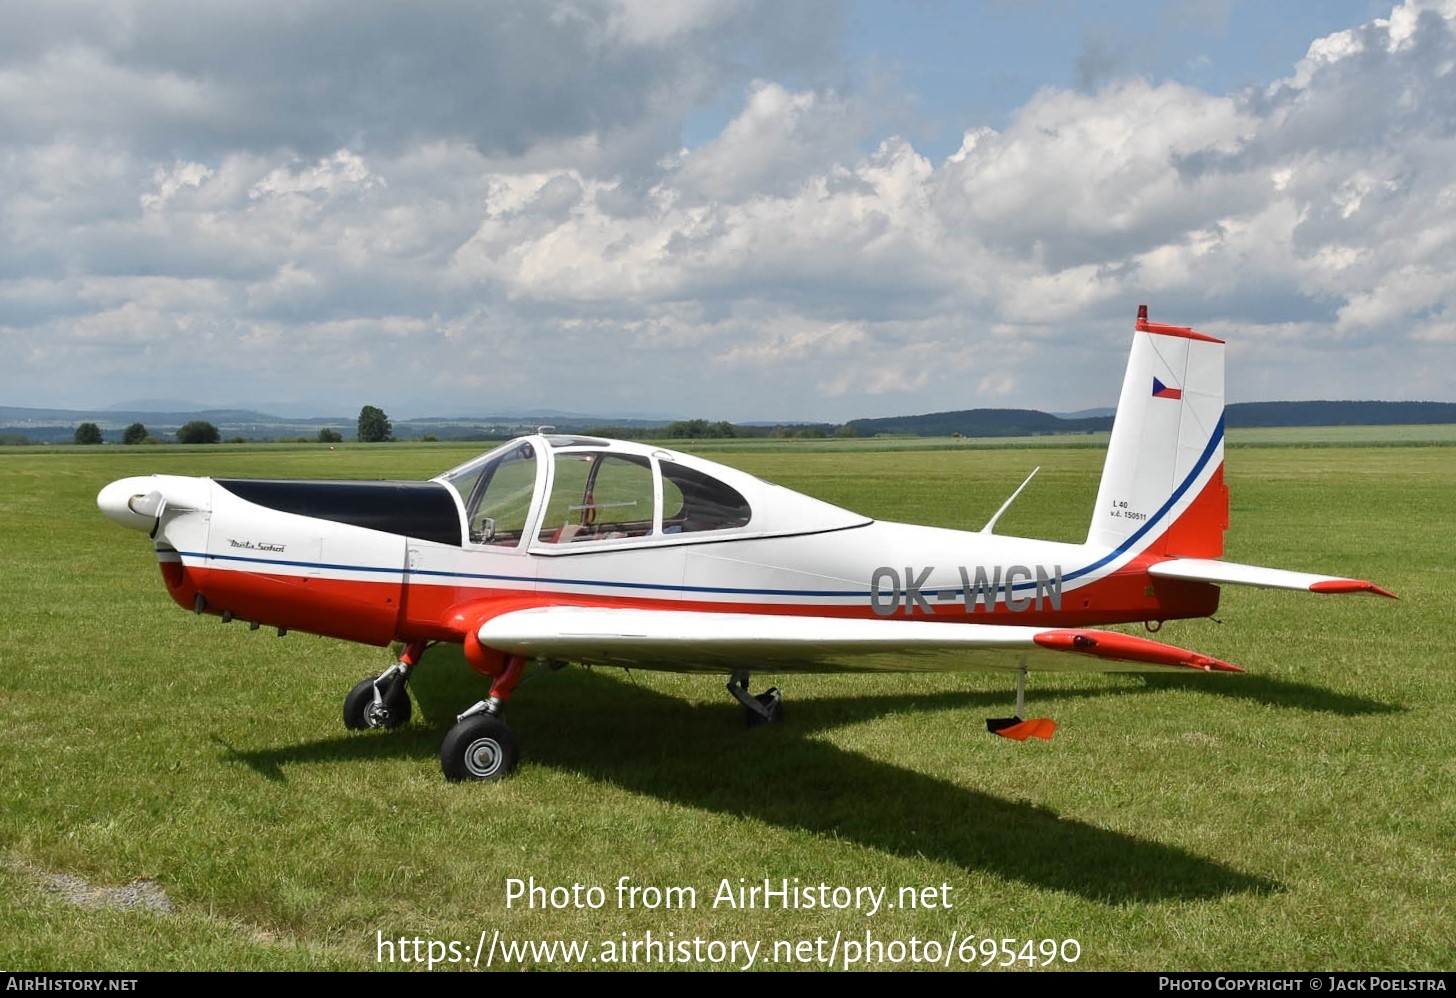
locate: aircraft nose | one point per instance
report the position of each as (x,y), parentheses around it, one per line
(131,502)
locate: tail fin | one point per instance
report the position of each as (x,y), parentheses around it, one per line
(1162,486)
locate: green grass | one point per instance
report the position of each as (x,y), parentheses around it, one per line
(1297,817)
(1431,434)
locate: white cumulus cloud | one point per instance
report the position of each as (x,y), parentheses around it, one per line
(473,208)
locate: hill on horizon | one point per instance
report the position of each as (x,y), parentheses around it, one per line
(1030,422)
(58,425)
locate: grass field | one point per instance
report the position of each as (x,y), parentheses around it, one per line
(1298,817)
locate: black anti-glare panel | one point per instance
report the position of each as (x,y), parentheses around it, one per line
(424,510)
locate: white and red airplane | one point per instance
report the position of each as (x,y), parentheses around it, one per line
(573,548)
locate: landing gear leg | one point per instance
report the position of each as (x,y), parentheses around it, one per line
(1014,727)
(481,746)
(765,708)
(383,702)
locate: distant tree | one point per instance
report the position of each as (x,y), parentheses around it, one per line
(88,433)
(374,426)
(845,431)
(430,438)
(198,432)
(328,436)
(700,429)
(134,434)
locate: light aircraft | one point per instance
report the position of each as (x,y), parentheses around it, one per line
(563,548)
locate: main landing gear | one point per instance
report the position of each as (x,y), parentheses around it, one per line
(481,746)
(765,708)
(383,702)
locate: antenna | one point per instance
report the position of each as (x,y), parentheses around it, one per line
(1007,504)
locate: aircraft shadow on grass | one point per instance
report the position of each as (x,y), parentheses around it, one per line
(1272,692)
(610,730)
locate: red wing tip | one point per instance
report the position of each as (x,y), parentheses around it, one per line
(1036,727)
(1351,586)
(1129,648)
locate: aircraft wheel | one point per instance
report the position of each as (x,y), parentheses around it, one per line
(360,710)
(479,748)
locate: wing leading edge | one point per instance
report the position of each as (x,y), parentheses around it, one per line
(689,641)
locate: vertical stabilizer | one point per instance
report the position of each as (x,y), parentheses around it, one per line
(1162,486)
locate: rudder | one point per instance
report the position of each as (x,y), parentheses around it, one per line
(1162,484)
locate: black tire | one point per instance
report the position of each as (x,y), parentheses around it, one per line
(360,711)
(479,748)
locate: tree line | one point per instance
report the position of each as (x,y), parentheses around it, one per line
(702,429)
(374,426)
(199,431)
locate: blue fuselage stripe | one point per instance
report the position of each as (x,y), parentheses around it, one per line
(527,578)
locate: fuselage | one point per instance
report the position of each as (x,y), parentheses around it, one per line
(581,521)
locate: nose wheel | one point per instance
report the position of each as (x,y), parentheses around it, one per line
(377,703)
(383,702)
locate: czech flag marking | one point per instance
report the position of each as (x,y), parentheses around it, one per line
(1162,391)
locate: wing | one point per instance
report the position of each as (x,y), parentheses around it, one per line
(1208,570)
(688,641)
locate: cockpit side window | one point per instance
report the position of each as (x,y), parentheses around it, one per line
(598,496)
(693,501)
(499,497)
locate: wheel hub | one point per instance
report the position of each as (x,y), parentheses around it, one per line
(483,757)
(376,715)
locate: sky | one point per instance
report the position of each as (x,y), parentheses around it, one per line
(726,209)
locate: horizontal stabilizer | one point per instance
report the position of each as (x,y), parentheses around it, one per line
(1232,573)
(690,641)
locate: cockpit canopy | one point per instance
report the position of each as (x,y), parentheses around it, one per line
(569,494)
